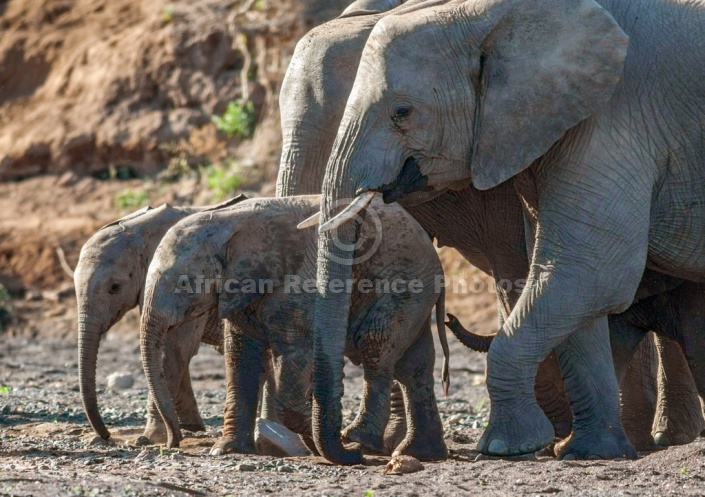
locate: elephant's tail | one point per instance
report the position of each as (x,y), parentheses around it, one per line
(441,325)
(479,343)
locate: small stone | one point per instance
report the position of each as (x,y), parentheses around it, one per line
(454,419)
(96,441)
(285,469)
(120,381)
(399,465)
(245,467)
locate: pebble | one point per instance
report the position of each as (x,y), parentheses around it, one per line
(96,441)
(454,419)
(285,469)
(120,381)
(245,467)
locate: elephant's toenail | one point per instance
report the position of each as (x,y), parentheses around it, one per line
(662,439)
(216,451)
(528,447)
(497,447)
(569,457)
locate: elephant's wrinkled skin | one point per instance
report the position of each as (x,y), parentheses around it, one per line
(488,231)
(599,118)
(109,280)
(257,240)
(652,400)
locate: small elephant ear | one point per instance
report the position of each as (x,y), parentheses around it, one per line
(367,7)
(132,215)
(546,66)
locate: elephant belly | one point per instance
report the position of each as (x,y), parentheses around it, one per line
(677,230)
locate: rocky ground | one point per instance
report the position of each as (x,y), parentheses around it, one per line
(46,449)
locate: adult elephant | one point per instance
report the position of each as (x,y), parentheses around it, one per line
(317,84)
(606,143)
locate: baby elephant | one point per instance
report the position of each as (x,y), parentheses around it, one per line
(253,265)
(109,280)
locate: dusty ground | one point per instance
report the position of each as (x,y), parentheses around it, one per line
(45,441)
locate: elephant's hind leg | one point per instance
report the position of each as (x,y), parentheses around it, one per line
(424,430)
(679,418)
(597,433)
(368,427)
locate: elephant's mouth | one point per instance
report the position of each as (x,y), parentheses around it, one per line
(410,180)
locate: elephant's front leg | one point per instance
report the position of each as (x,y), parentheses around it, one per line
(517,424)
(244,355)
(180,345)
(424,430)
(368,427)
(589,255)
(395,432)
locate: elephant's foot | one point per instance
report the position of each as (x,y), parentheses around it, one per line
(425,449)
(668,432)
(154,432)
(518,431)
(190,419)
(642,440)
(372,443)
(228,444)
(608,442)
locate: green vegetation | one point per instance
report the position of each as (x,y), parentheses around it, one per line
(167,15)
(222,179)
(131,199)
(5,389)
(237,120)
(4,294)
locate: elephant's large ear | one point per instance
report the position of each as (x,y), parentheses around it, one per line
(546,65)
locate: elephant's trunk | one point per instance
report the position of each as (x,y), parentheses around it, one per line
(89,333)
(152,330)
(335,258)
(478,343)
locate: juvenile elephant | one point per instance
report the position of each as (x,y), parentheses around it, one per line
(487,228)
(259,273)
(109,281)
(596,116)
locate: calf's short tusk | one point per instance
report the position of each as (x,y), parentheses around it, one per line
(360,202)
(309,221)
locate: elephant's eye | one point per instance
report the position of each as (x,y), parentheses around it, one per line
(115,288)
(401,113)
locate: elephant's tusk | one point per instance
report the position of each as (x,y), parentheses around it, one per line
(309,221)
(360,202)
